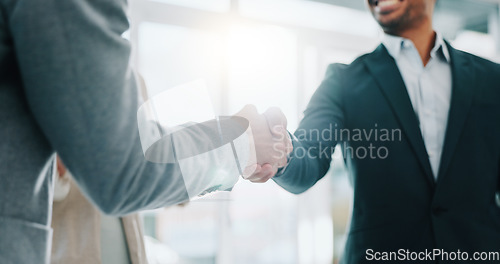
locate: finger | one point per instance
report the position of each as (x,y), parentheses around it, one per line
(276,121)
(274,170)
(279,157)
(268,170)
(263,173)
(280,154)
(267,167)
(251,170)
(262,179)
(258,176)
(282,162)
(249,111)
(268,173)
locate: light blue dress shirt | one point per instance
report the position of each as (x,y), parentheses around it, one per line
(429,88)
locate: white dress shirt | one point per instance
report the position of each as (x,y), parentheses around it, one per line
(429,88)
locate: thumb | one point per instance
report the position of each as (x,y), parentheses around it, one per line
(248,111)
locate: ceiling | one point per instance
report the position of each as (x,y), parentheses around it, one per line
(451,15)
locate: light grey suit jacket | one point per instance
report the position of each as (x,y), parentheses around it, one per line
(66,85)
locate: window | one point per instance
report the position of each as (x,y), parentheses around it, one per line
(267,53)
(210,5)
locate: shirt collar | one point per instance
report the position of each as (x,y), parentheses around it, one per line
(394,44)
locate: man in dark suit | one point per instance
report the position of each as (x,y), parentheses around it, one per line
(419,124)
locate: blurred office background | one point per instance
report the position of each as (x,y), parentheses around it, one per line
(269,53)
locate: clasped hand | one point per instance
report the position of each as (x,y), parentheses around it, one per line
(272,142)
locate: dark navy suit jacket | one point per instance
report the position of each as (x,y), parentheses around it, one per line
(397,202)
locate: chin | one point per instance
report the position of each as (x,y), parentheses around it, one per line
(393,22)
(388,23)
(398,16)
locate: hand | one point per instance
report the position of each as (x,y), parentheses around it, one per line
(61,169)
(62,185)
(272,142)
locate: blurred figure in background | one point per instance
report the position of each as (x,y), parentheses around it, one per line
(83,234)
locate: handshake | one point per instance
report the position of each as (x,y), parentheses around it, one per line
(212,154)
(271,140)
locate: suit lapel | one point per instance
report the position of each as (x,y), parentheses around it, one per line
(461,101)
(386,73)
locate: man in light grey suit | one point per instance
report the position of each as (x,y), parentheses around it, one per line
(66,85)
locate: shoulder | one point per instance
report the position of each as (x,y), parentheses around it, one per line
(481,65)
(356,67)
(486,74)
(356,74)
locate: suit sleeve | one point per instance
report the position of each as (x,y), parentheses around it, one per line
(79,86)
(315,139)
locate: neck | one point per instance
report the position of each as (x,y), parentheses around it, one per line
(423,37)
